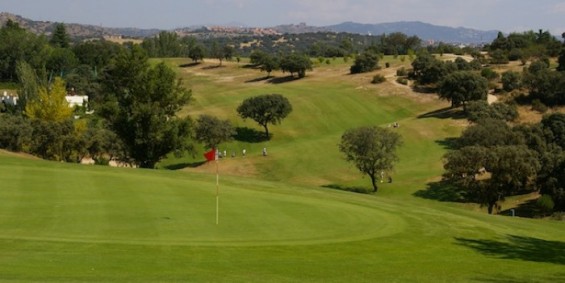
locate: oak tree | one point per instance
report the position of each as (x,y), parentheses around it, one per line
(371,149)
(265,109)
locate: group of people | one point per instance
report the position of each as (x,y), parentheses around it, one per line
(224,154)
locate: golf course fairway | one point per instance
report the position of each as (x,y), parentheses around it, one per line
(291,216)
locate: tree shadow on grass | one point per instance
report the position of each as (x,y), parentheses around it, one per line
(212,67)
(445,113)
(183,165)
(519,248)
(245,134)
(359,190)
(448,143)
(527,209)
(188,65)
(251,66)
(441,191)
(505,278)
(425,88)
(280,80)
(259,79)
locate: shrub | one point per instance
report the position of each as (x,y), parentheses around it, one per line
(498,57)
(401,72)
(545,204)
(403,81)
(538,106)
(377,79)
(478,110)
(365,62)
(515,54)
(489,74)
(15,132)
(510,80)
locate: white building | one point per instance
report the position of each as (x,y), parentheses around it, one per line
(9,99)
(73,100)
(76,100)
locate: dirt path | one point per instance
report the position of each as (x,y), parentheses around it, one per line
(491,98)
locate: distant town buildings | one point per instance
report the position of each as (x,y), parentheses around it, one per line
(228,30)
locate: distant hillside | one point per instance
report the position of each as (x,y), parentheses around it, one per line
(75,30)
(299,28)
(427,32)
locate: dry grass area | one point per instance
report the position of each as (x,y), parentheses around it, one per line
(360,82)
(250,43)
(236,166)
(121,40)
(18,154)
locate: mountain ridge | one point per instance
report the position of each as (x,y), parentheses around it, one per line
(428,32)
(425,31)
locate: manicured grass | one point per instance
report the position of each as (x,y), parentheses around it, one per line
(279,219)
(63,222)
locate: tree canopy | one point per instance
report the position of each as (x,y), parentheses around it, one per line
(60,38)
(295,63)
(265,109)
(511,168)
(462,86)
(50,103)
(371,149)
(212,131)
(365,62)
(142,106)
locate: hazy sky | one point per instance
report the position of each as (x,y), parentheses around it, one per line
(505,15)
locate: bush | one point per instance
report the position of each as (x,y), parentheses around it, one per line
(538,106)
(498,57)
(365,62)
(489,74)
(15,132)
(510,80)
(545,204)
(401,72)
(515,54)
(479,110)
(377,79)
(403,81)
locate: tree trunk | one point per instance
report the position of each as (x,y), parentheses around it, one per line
(374,182)
(266,131)
(490,207)
(148,164)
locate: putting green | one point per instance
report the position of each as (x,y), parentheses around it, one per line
(104,205)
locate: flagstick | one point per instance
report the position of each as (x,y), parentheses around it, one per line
(217,193)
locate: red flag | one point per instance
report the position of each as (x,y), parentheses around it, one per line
(210,155)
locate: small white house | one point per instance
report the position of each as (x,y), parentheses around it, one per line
(77,100)
(9,99)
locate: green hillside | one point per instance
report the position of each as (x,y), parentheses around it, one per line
(280,219)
